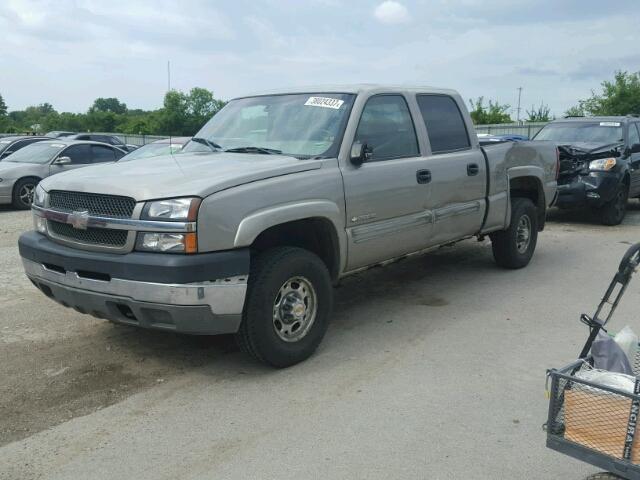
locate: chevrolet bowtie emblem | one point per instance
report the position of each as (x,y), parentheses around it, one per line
(79,220)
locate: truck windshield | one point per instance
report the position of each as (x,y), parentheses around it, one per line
(301,125)
(41,152)
(572,132)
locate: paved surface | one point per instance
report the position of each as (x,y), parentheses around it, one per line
(432,368)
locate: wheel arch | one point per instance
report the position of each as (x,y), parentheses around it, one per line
(526,182)
(313,225)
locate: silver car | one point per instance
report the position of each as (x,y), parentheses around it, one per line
(21,172)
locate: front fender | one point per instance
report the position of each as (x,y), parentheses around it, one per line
(256,223)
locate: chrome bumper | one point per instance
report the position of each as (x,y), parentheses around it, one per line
(200,308)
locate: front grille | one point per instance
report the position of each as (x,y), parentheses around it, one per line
(96,204)
(93,236)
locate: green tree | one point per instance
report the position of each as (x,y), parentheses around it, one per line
(3,107)
(201,106)
(108,105)
(575,111)
(540,114)
(618,97)
(494,112)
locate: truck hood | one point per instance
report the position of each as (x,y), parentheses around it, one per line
(591,147)
(186,174)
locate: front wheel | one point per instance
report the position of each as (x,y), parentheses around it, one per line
(288,305)
(613,212)
(23,193)
(514,247)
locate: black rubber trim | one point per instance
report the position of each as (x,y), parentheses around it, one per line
(140,266)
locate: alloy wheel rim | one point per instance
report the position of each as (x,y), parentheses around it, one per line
(523,234)
(294,309)
(26,193)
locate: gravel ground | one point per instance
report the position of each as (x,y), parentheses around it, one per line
(432,368)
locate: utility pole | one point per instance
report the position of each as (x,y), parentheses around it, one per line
(168,76)
(519,98)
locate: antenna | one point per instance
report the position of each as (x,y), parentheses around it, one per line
(519,97)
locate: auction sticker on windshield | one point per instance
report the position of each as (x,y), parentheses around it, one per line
(325,102)
(609,124)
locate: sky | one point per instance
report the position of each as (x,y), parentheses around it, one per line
(69,52)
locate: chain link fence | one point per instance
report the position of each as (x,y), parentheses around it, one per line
(126,138)
(527,129)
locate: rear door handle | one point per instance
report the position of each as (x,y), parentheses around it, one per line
(423,176)
(473,169)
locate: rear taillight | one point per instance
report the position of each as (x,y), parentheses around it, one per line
(557,163)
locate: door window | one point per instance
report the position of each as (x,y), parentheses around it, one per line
(102,154)
(387,128)
(444,122)
(79,154)
(634,137)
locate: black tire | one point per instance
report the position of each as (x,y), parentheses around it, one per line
(613,212)
(261,333)
(21,198)
(510,250)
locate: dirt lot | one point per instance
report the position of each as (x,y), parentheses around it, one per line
(432,368)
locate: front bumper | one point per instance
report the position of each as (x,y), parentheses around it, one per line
(592,190)
(197,294)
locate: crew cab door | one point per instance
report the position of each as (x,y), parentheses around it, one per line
(634,160)
(385,196)
(458,170)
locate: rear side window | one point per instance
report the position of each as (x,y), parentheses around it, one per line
(102,154)
(634,136)
(444,122)
(386,126)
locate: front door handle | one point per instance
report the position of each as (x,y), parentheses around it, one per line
(473,169)
(423,176)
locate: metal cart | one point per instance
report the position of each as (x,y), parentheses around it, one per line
(589,421)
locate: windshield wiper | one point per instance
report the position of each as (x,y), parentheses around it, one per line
(212,145)
(266,151)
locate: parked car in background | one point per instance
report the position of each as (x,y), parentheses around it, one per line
(58,134)
(599,163)
(100,137)
(276,199)
(22,171)
(159,147)
(488,139)
(9,145)
(513,137)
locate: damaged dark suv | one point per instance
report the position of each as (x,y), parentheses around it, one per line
(599,163)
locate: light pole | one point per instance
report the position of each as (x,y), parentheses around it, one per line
(519,97)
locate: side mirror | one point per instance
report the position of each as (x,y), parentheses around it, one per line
(63,161)
(635,148)
(360,153)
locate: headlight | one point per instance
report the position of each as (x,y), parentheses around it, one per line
(602,164)
(167,242)
(172,210)
(39,196)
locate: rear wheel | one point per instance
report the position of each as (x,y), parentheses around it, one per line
(23,193)
(289,301)
(613,212)
(514,247)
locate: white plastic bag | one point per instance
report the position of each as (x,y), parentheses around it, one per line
(619,381)
(628,342)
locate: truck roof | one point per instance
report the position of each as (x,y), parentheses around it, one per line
(355,89)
